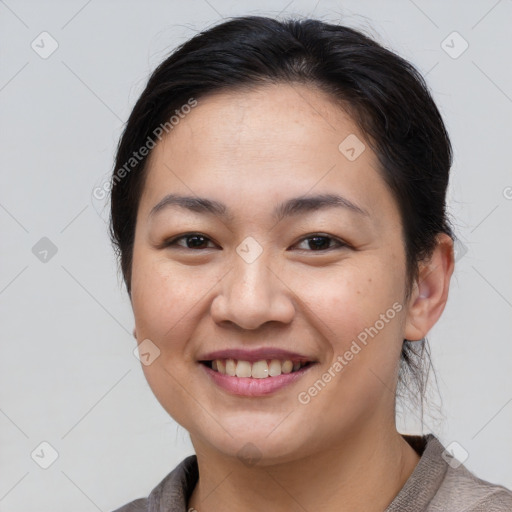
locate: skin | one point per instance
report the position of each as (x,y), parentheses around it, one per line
(252,150)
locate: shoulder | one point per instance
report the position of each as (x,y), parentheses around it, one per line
(440,482)
(140,505)
(464,491)
(172,492)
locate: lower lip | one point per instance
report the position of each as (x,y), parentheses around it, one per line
(249,386)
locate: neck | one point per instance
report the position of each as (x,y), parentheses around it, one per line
(363,473)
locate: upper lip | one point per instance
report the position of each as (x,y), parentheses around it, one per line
(254,355)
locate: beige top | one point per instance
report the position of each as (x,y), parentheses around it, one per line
(439,483)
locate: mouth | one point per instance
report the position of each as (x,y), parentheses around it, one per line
(255,373)
(261,369)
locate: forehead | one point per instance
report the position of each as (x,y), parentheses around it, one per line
(263,124)
(274,141)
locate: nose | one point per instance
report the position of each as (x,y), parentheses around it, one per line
(252,294)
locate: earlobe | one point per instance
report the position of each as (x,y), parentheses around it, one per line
(430,293)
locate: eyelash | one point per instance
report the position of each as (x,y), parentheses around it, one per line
(340,244)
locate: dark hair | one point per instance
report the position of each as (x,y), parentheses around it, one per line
(383,93)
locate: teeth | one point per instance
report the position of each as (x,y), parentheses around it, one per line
(257,370)
(287,366)
(243,369)
(230,367)
(274,368)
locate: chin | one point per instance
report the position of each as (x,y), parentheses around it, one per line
(255,445)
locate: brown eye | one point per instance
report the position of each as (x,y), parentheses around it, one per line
(190,241)
(318,243)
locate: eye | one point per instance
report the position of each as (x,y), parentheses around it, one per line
(315,243)
(191,241)
(319,242)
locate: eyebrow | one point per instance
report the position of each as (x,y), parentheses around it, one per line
(291,207)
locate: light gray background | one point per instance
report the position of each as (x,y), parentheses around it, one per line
(68,374)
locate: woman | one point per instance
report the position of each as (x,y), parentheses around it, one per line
(278,205)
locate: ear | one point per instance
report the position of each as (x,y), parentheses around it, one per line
(430,292)
(134,333)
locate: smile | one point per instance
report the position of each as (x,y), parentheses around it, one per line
(257,378)
(262,369)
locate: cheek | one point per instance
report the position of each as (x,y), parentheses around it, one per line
(164,298)
(358,310)
(166,302)
(348,299)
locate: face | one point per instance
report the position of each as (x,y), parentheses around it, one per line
(287,255)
